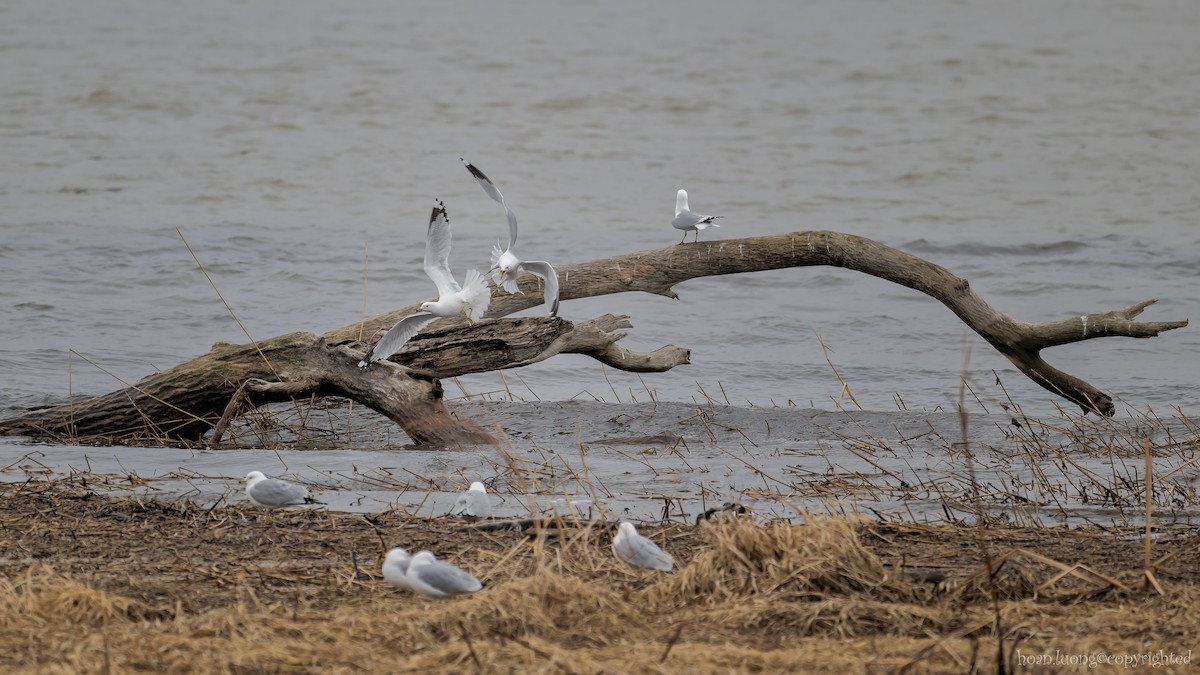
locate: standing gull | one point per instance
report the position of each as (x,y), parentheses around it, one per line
(506,266)
(633,549)
(434,578)
(687,221)
(473,504)
(272,493)
(470,300)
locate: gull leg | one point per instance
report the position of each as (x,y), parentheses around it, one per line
(684,238)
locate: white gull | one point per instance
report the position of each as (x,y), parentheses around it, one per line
(470,300)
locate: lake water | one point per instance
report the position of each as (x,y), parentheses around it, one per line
(1048,154)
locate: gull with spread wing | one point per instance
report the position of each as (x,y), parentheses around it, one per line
(506,266)
(469,300)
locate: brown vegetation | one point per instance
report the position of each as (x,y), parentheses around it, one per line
(101,584)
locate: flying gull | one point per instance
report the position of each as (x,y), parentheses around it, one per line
(686,220)
(506,266)
(470,300)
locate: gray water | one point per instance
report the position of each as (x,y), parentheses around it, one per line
(1047,153)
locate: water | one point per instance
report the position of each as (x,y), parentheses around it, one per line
(1047,154)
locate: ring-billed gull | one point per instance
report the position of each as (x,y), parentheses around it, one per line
(435,578)
(470,300)
(473,503)
(686,220)
(272,493)
(633,549)
(395,568)
(506,266)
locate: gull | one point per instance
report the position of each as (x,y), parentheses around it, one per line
(633,549)
(470,300)
(506,266)
(686,220)
(473,504)
(272,493)
(395,568)
(435,578)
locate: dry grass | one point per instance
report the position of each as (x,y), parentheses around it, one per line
(93,584)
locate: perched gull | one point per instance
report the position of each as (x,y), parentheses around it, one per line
(506,266)
(434,578)
(272,493)
(470,300)
(687,221)
(395,568)
(473,504)
(633,549)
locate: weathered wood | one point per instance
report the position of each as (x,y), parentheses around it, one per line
(186,401)
(658,271)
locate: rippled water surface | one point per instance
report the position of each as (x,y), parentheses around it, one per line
(1049,155)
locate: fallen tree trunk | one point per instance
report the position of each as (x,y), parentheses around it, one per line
(186,401)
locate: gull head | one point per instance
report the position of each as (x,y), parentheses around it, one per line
(451,305)
(395,567)
(253,477)
(396,555)
(508,265)
(626,528)
(477,487)
(681,202)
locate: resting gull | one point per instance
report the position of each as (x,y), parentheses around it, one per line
(473,503)
(395,568)
(435,578)
(633,549)
(272,493)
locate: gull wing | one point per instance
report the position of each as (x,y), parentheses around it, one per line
(443,577)
(641,551)
(437,251)
(275,492)
(492,191)
(546,271)
(395,338)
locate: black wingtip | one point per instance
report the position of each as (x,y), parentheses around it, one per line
(475,172)
(438,208)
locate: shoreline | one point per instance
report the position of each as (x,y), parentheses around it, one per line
(145,583)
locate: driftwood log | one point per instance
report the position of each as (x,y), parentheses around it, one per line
(188,401)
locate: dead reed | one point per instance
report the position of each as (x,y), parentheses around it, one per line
(98,584)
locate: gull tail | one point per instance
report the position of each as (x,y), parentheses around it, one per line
(709,221)
(477,295)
